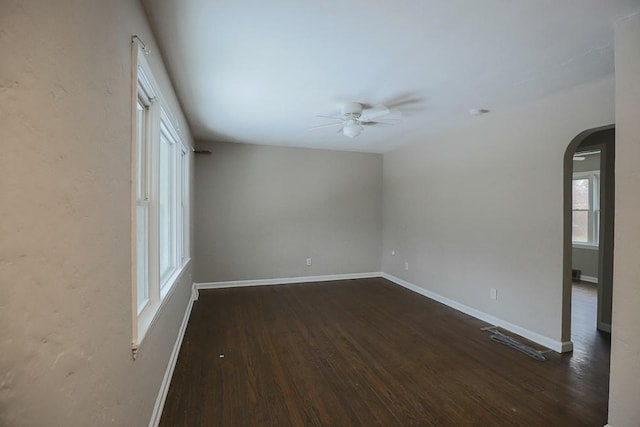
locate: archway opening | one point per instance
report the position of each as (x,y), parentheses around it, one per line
(588,229)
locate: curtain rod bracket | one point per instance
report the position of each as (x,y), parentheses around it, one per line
(136,39)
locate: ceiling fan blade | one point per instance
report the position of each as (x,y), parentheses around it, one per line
(405,100)
(411,111)
(330,117)
(393,114)
(376,123)
(327,125)
(370,114)
(392,117)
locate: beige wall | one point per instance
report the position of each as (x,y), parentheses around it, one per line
(65,294)
(261,211)
(624,395)
(585,260)
(483,208)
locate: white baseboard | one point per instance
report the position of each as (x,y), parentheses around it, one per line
(166,381)
(285,280)
(589,279)
(555,345)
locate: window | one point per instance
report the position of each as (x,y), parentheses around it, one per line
(172,203)
(160,214)
(585,208)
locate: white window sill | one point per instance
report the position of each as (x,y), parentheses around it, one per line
(585,246)
(146,321)
(173,278)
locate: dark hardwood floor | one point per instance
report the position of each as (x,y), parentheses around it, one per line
(591,348)
(367,353)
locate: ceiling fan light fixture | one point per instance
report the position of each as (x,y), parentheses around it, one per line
(351,129)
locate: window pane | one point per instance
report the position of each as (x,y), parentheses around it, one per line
(580,226)
(580,193)
(142,257)
(141,152)
(166,188)
(179,211)
(184,217)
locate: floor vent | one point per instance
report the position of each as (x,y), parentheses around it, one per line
(498,336)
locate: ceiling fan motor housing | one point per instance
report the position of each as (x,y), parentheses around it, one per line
(352,110)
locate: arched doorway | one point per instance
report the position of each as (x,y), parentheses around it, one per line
(603,140)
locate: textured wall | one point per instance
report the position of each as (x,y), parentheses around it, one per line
(65,295)
(624,394)
(261,211)
(482,208)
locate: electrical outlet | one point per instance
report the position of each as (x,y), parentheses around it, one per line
(493,293)
(308,262)
(406,265)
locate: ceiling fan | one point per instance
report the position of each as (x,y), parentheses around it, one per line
(355,117)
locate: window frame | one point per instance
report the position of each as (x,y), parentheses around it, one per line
(142,193)
(158,123)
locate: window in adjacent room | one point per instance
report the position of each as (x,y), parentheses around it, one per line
(585,208)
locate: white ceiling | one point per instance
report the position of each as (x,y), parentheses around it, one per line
(260,71)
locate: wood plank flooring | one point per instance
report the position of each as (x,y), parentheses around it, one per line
(367,353)
(591,348)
